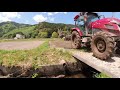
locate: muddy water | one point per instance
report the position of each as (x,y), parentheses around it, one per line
(76,75)
(79,75)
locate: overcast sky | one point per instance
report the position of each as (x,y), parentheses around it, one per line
(36,17)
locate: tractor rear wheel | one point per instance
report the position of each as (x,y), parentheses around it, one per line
(102,45)
(76,40)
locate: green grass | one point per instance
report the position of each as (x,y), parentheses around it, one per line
(101,75)
(42,55)
(30,39)
(34,75)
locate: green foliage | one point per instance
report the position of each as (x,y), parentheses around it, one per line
(43,34)
(27,31)
(34,75)
(54,35)
(101,75)
(34,34)
(1,61)
(6,27)
(65,28)
(52,27)
(10,29)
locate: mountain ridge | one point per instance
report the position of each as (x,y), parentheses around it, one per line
(11,27)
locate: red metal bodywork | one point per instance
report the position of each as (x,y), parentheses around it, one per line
(101,24)
(76,17)
(78,30)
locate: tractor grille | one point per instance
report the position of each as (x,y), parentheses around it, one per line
(112,31)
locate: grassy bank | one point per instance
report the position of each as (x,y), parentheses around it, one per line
(30,39)
(43,55)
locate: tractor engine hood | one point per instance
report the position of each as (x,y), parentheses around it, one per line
(107,23)
(111,20)
(115,20)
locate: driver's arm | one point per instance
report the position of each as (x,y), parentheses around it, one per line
(85,18)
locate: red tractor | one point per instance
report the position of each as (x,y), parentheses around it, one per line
(95,31)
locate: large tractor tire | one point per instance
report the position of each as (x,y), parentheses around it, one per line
(102,45)
(76,40)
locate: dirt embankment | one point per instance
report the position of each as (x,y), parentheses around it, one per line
(62,70)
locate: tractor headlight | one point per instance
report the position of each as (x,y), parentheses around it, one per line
(109,26)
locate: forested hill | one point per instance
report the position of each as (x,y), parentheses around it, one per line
(6,27)
(10,29)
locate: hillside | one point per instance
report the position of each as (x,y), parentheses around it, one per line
(10,29)
(53,27)
(27,31)
(6,27)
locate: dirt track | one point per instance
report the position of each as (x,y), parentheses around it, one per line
(20,45)
(61,44)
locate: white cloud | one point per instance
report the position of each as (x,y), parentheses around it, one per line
(65,12)
(46,16)
(4,19)
(50,14)
(60,12)
(39,18)
(54,13)
(8,16)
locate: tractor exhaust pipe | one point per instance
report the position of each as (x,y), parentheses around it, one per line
(85,21)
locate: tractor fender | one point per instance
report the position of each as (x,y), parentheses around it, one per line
(78,30)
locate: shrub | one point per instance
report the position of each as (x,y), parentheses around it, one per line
(54,35)
(43,35)
(34,34)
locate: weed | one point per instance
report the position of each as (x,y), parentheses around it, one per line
(1,61)
(34,75)
(101,75)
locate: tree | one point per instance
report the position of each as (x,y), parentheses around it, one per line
(43,35)
(34,34)
(65,28)
(54,35)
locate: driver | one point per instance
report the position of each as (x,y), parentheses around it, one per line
(85,20)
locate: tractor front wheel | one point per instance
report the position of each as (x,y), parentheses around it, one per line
(76,40)
(102,45)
